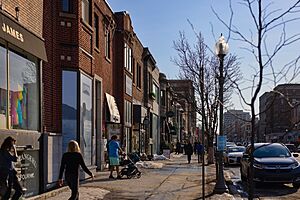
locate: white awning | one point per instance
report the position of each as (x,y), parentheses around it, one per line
(113,109)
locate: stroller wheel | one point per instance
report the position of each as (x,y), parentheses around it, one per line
(138,175)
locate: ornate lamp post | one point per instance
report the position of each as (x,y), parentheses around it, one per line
(221,49)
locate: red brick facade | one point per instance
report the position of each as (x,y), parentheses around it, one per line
(70,44)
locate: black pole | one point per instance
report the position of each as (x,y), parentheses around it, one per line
(220,186)
(203,160)
(140,139)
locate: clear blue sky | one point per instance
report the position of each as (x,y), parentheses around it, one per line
(157,24)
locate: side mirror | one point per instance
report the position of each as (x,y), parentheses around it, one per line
(295,155)
(246,155)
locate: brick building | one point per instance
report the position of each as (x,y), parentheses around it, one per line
(22,50)
(78,82)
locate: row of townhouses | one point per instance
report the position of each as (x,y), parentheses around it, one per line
(77,70)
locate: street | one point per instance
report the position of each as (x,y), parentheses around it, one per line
(262,191)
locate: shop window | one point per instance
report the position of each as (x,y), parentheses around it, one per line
(86,111)
(3,88)
(23,92)
(85,4)
(69,107)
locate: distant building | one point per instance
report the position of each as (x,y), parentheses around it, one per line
(280,113)
(237,125)
(185,94)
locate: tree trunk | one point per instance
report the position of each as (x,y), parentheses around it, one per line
(210,153)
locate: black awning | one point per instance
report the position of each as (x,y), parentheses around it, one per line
(14,33)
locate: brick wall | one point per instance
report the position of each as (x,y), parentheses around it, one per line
(30,13)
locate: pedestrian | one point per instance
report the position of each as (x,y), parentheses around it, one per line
(70,163)
(200,151)
(189,151)
(113,155)
(178,146)
(8,174)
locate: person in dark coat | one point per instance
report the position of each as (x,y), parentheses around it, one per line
(200,151)
(178,146)
(70,164)
(8,174)
(189,151)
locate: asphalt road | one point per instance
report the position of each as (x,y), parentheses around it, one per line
(262,191)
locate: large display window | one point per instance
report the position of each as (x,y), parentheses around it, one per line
(86,118)
(3,88)
(19,90)
(69,107)
(23,92)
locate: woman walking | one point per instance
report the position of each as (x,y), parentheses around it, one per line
(8,174)
(70,164)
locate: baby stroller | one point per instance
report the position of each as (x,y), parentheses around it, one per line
(130,169)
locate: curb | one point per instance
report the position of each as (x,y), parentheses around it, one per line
(49,194)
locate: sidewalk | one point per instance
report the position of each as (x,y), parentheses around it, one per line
(101,187)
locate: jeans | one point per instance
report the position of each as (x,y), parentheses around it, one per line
(14,183)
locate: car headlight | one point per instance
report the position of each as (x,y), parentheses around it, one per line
(258,166)
(294,165)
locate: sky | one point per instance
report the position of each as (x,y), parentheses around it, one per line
(157,24)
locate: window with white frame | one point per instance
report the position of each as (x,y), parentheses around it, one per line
(128,57)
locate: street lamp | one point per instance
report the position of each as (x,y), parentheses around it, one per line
(221,49)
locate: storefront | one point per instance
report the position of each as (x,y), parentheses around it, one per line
(21,52)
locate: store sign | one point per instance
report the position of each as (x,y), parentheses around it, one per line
(27,167)
(12,32)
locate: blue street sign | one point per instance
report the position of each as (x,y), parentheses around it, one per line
(221,142)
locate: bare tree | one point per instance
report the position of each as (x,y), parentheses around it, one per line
(268,22)
(196,64)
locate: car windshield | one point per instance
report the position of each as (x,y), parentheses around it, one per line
(271,150)
(236,149)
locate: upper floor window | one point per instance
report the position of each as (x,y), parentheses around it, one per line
(86,10)
(107,42)
(66,5)
(128,57)
(139,76)
(163,97)
(155,90)
(96,27)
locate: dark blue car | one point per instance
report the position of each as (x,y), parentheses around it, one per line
(273,162)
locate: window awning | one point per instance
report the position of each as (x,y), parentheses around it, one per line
(113,109)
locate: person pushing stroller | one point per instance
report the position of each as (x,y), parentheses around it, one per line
(113,155)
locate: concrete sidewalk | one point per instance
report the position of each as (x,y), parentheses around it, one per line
(100,189)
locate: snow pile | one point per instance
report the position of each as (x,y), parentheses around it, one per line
(149,165)
(159,157)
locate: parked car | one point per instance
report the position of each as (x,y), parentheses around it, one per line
(291,147)
(273,162)
(233,155)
